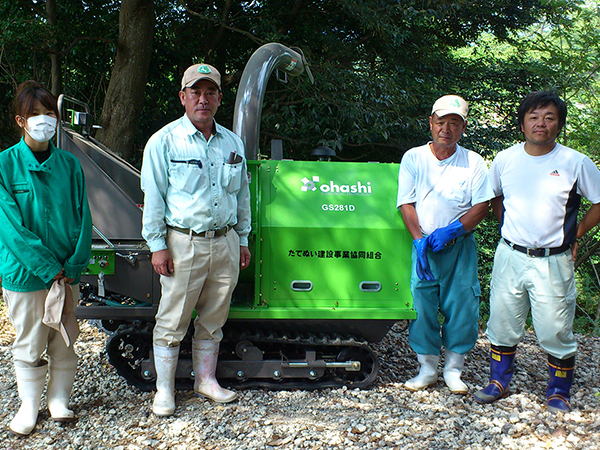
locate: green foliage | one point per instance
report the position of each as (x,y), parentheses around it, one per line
(566,48)
(379,65)
(85,38)
(501,77)
(587,316)
(487,235)
(586,320)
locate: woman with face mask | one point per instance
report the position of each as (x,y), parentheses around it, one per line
(45,243)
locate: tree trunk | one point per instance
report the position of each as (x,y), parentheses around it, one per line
(125,95)
(55,58)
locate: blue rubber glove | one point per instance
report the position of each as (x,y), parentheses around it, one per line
(440,237)
(423,270)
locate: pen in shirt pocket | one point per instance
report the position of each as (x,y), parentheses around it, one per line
(195,162)
(234,158)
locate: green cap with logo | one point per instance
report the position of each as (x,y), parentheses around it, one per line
(198,72)
(450,104)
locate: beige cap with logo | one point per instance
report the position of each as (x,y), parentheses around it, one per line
(198,72)
(450,104)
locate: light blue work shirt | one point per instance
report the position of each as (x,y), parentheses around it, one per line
(189,183)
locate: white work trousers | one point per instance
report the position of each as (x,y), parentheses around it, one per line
(547,285)
(205,274)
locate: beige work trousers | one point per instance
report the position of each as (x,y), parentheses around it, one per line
(205,273)
(32,337)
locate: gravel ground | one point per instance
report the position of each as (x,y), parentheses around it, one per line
(113,415)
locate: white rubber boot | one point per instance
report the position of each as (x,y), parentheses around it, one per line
(428,374)
(453,367)
(30,383)
(60,383)
(204,357)
(165,364)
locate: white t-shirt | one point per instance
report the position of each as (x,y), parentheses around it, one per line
(443,190)
(542,194)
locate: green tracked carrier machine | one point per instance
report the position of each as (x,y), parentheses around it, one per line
(330,269)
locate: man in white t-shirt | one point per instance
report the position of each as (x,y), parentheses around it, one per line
(538,186)
(443,193)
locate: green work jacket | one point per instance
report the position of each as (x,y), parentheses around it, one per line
(45,221)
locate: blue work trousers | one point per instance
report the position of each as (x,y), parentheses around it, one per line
(454,294)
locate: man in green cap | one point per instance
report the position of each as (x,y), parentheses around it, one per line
(196,222)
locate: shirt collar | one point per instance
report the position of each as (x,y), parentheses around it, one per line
(190,129)
(30,160)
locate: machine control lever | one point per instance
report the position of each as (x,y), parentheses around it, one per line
(131,258)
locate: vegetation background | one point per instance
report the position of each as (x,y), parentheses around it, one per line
(378,66)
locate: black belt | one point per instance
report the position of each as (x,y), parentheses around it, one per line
(538,251)
(209,233)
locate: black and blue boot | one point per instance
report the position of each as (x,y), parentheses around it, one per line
(561,378)
(502,366)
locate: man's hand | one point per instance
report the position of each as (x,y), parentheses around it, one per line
(589,221)
(440,237)
(244,257)
(423,270)
(574,248)
(162,262)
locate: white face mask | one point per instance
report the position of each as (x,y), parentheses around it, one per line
(41,128)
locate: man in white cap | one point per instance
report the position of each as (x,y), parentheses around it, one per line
(443,194)
(196,222)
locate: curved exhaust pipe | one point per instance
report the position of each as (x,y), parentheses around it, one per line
(253,85)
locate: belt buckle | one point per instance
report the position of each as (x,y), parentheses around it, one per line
(210,233)
(538,252)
